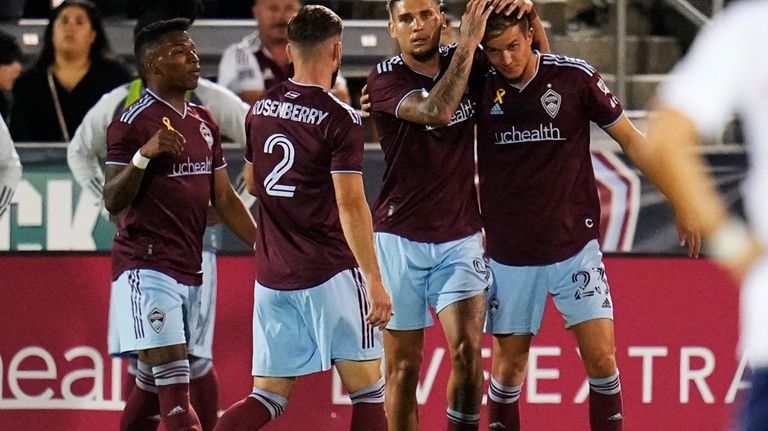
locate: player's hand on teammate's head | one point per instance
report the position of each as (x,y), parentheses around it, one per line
(381,305)
(508,6)
(474,18)
(365,102)
(162,142)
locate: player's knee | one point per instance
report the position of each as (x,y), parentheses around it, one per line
(511,369)
(602,364)
(404,371)
(465,356)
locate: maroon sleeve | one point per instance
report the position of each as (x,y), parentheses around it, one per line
(123,140)
(347,141)
(603,107)
(388,88)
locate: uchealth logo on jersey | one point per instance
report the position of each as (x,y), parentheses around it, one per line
(207,135)
(156,319)
(551,102)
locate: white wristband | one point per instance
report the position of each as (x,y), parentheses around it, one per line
(730,241)
(140,161)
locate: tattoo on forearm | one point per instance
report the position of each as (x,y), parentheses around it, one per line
(446,94)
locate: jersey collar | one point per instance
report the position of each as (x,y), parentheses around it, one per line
(182,114)
(301,84)
(521,87)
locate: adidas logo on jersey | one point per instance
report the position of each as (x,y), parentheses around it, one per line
(496,110)
(607,303)
(176,411)
(616,417)
(497,426)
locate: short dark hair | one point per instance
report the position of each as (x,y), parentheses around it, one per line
(312,25)
(100,48)
(10,52)
(148,36)
(498,22)
(391,5)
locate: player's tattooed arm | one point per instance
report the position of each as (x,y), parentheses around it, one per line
(437,107)
(123,181)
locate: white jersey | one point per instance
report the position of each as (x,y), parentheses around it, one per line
(89,145)
(240,69)
(10,167)
(722,76)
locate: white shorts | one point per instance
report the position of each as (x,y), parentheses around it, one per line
(754,313)
(578,285)
(299,332)
(148,309)
(420,275)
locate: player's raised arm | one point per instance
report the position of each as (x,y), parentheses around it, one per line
(123,181)
(357,225)
(437,106)
(230,208)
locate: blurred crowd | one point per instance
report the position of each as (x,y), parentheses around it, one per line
(75,67)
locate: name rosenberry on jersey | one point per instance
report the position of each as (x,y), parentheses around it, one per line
(288,111)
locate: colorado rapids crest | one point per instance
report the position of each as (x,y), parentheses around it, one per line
(551,101)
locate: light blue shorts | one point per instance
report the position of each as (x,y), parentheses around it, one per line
(420,275)
(299,332)
(578,286)
(203,341)
(148,309)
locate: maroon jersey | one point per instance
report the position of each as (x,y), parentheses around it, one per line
(162,229)
(298,135)
(428,194)
(538,196)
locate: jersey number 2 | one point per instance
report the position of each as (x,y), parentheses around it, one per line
(270,182)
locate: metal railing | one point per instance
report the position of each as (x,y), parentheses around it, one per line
(684,7)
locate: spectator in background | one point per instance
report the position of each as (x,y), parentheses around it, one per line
(10,68)
(259,61)
(10,168)
(72,72)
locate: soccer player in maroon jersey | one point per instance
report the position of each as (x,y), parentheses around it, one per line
(318,297)
(426,219)
(164,166)
(541,212)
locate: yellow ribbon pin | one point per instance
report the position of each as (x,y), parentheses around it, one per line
(499,94)
(167,123)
